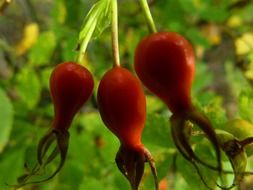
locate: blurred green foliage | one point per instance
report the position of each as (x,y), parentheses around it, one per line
(222,88)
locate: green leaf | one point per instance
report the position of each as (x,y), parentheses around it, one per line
(98,18)
(188,6)
(29,87)
(6,118)
(200,96)
(45,76)
(74,180)
(246,104)
(154,104)
(189,173)
(174,9)
(100,14)
(164,162)
(241,129)
(237,81)
(197,37)
(214,14)
(91,183)
(68,45)
(59,11)
(42,51)
(73,10)
(104,19)
(215,112)
(110,143)
(119,181)
(11,165)
(157,131)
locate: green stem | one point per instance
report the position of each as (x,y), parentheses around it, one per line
(115,42)
(84,43)
(88,28)
(148,16)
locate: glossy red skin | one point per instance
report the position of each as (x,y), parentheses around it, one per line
(122,105)
(164,62)
(70,85)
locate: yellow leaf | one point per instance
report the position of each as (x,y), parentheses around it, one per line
(199,50)
(213,33)
(249,74)
(30,35)
(244,44)
(234,21)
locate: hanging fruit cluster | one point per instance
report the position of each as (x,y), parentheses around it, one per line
(165,64)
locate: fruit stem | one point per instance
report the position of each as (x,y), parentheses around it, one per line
(152,166)
(115,42)
(246,141)
(148,16)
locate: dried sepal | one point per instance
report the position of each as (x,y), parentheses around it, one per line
(131,163)
(61,138)
(236,154)
(180,127)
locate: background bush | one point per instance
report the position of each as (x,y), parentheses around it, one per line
(36,35)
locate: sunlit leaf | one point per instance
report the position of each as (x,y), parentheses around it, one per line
(154,104)
(29,87)
(95,22)
(244,44)
(234,21)
(246,104)
(241,129)
(42,51)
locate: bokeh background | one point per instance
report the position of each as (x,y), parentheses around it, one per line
(36,35)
